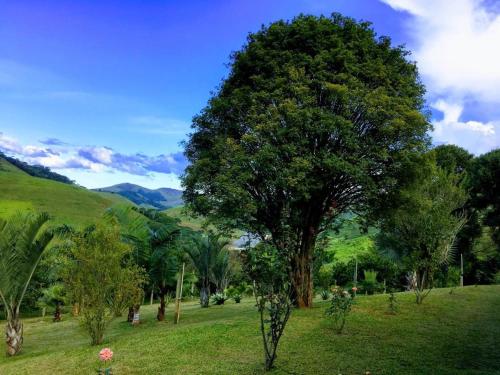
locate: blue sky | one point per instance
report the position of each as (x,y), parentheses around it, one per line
(104,91)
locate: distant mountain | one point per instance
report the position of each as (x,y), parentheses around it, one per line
(161,199)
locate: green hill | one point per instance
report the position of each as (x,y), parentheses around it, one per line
(161,199)
(67,203)
(195,223)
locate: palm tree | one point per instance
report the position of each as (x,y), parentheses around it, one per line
(53,296)
(221,271)
(22,243)
(203,254)
(164,262)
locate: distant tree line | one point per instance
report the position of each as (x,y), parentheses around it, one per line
(37,170)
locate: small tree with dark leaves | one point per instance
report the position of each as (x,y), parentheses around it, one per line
(272,293)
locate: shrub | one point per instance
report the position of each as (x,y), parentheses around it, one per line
(237,298)
(370,284)
(265,265)
(219,298)
(95,276)
(393,304)
(325,294)
(339,309)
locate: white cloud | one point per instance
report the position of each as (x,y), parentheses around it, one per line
(474,135)
(96,159)
(456,45)
(457,48)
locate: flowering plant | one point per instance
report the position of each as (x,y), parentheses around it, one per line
(105,355)
(339,309)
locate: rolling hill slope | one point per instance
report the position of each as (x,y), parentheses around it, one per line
(68,204)
(161,199)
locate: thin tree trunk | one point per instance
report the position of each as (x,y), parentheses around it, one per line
(204,296)
(161,309)
(130,315)
(14,334)
(57,313)
(75,311)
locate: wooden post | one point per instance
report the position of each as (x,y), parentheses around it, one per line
(152,295)
(461,270)
(178,296)
(356,276)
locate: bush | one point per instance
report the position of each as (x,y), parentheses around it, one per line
(339,309)
(393,304)
(219,298)
(95,276)
(325,294)
(237,298)
(370,284)
(265,265)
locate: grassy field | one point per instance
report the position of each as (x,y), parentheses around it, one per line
(457,333)
(67,204)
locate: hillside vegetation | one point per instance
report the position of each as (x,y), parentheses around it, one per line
(68,204)
(452,333)
(162,198)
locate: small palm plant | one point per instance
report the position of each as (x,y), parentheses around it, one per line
(22,243)
(204,253)
(54,297)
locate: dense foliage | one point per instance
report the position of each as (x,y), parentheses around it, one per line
(318,116)
(422,230)
(99,279)
(23,239)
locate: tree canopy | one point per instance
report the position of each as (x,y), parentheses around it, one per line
(317,116)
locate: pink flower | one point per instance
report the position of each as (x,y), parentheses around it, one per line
(106,354)
(354,289)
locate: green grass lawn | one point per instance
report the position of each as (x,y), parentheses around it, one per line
(456,333)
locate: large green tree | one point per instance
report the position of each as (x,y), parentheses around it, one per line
(484,182)
(23,239)
(423,229)
(317,117)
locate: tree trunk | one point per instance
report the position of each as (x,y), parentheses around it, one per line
(130,315)
(14,334)
(161,309)
(301,272)
(75,311)
(204,296)
(57,313)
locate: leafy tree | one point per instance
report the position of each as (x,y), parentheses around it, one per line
(422,230)
(23,239)
(484,177)
(135,231)
(452,158)
(268,269)
(317,117)
(95,273)
(204,254)
(483,181)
